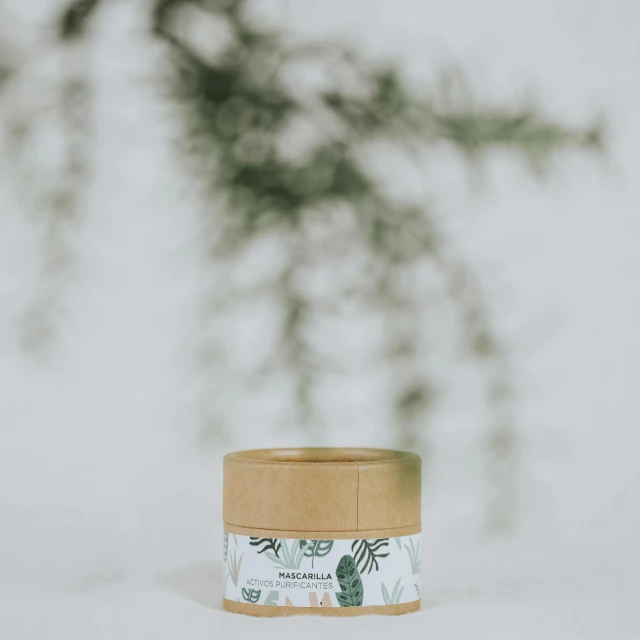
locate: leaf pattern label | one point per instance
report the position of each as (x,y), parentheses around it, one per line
(293,572)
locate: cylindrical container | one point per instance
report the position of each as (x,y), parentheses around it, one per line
(321,531)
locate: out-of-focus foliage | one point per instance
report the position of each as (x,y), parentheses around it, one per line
(52,185)
(73,20)
(292,163)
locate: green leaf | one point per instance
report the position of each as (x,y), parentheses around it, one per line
(272,599)
(265,544)
(395,589)
(298,554)
(290,557)
(394,598)
(286,555)
(414,556)
(316,548)
(368,552)
(251,595)
(350,582)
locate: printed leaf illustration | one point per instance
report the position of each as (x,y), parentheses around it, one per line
(234,567)
(266,544)
(414,556)
(317,548)
(272,599)
(225,549)
(288,602)
(326,600)
(290,557)
(385,594)
(395,596)
(417,589)
(398,542)
(367,552)
(350,583)
(251,595)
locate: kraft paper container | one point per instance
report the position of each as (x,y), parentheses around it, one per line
(336,527)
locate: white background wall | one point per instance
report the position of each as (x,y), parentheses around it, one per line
(100,479)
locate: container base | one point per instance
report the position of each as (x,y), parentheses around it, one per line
(263,611)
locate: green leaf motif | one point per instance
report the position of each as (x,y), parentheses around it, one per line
(225,549)
(414,556)
(290,557)
(234,566)
(265,544)
(395,596)
(316,548)
(368,552)
(251,595)
(352,593)
(272,599)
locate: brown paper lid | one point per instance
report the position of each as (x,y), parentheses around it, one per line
(322,489)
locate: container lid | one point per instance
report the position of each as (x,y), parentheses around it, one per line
(322,489)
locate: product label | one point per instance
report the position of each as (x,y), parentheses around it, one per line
(290,572)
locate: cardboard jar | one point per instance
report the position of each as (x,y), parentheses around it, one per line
(321,531)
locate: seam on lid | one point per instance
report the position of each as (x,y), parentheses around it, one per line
(244,526)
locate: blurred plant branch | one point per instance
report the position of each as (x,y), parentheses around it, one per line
(239,106)
(74,19)
(52,185)
(325,204)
